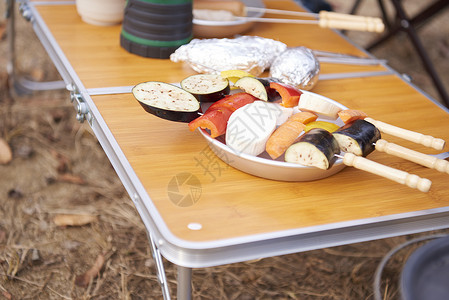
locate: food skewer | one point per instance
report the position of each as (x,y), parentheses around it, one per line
(358,137)
(350,115)
(361,138)
(334,15)
(328,21)
(412,136)
(325,19)
(319,147)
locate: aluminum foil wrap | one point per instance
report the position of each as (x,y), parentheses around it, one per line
(298,67)
(248,53)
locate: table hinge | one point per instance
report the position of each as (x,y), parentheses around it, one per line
(25,11)
(82,109)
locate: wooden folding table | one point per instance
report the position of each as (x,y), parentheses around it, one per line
(234,216)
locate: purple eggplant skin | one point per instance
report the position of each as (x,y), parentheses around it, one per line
(171,115)
(272,94)
(323,141)
(167,101)
(213,97)
(363,133)
(206,87)
(320,141)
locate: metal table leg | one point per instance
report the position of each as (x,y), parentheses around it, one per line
(409,25)
(160,269)
(384,13)
(22,85)
(10,34)
(184,283)
(427,63)
(184,291)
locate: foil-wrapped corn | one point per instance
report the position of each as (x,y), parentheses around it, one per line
(296,66)
(252,54)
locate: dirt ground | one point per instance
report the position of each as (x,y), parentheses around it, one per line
(58,169)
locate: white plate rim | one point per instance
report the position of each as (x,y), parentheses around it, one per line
(265,161)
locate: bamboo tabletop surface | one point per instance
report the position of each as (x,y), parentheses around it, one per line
(231,203)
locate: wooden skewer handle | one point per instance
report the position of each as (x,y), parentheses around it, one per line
(426,140)
(350,22)
(347,17)
(414,156)
(396,175)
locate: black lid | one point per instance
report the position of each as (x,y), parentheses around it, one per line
(176,17)
(172,30)
(161,7)
(161,36)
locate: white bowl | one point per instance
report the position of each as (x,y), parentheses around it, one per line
(222,29)
(265,167)
(101,12)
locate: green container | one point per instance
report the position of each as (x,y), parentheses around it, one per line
(156,28)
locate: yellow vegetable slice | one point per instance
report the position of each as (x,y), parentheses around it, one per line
(234,75)
(329,126)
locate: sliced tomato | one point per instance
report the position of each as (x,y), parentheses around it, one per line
(289,94)
(216,121)
(233,102)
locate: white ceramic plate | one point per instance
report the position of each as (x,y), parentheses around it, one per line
(264,166)
(220,29)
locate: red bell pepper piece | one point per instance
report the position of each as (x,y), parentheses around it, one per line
(216,121)
(217,115)
(233,102)
(289,94)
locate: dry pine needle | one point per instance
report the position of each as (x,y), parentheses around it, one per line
(5,152)
(74,220)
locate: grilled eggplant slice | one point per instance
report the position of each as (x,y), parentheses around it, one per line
(358,137)
(317,148)
(167,101)
(259,87)
(206,87)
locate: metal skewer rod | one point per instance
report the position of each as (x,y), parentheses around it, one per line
(281,12)
(333,76)
(350,61)
(277,20)
(337,57)
(443,155)
(333,54)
